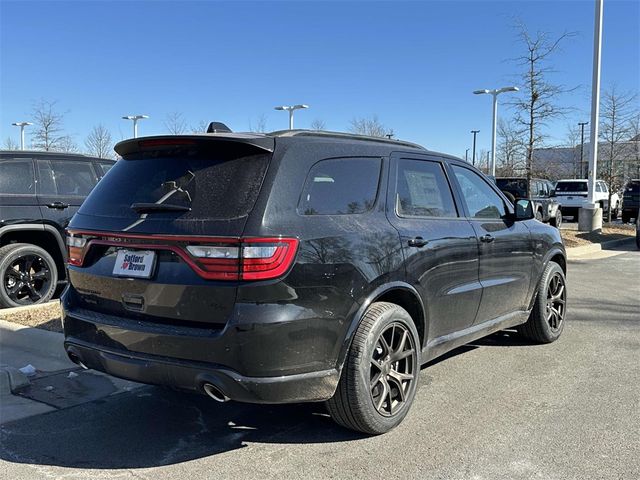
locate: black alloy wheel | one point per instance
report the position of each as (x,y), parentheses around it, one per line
(393,367)
(28,275)
(556,301)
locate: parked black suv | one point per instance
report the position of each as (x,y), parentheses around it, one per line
(39,193)
(630,200)
(545,207)
(300,266)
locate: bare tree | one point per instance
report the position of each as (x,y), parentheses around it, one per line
(66,144)
(510,151)
(99,142)
(616,115)
(10,144)
(200,127)
(47,133)
(260,125)
(318,125)
(537,102)
(370,126)
(174,122)
(634,127)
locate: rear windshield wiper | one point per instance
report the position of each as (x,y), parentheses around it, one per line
(158,207)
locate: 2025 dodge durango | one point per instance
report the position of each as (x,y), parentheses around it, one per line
(301,266)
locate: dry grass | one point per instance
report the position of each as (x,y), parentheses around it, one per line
(573,238)
(46,317)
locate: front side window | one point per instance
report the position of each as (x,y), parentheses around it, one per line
(481,200)
(61,177)
(598,187)
(16,177)
(422,190)
(340,186)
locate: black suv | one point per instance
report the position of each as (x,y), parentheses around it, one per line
(545,207)
(300,266)
(39,193)
(630,200)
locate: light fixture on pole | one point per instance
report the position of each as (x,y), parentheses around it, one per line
(135,119)
(495,94)
(473,155)
(291,109)
(21,125)
(582,125)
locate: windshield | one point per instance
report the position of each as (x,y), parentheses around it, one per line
(190,187)
(576,186)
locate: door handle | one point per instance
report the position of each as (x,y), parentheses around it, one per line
(417,242)
(487,238)
(57,205)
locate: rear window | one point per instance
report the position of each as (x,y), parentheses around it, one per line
(16,177)
(516,187)
(340,186)
(214,186)
(571,187)
(632,187)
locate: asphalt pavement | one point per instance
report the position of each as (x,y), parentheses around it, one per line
(497,409)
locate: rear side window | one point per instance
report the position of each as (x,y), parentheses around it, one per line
(211,186)
(16,177)
(340,186)
(422,190)
(62,177)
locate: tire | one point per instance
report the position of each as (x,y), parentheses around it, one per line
(32,268)
(539,215)
(557,220)
(626,218)
(614,212)
(544,325)
(363,403)
(637,239)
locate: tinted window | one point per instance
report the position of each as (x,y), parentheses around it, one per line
(571,187)
(340,186)
(16,177)
(62,177)
(216,185)
(422,190)
(632,187)
(106,166)
(515,186)
(481,200)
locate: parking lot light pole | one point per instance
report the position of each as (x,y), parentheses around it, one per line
(135,119)
(291,109)
(495,94)
(582,125)
(473,155)
(21,125)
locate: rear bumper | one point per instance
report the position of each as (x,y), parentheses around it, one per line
(304,387)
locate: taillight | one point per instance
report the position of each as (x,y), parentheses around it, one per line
(248,259)
(211,258)
(75,244)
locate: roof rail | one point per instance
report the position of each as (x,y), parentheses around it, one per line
(343,135)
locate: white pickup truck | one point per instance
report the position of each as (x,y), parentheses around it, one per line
(572,195)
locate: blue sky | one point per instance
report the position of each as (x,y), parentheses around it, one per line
(414,64)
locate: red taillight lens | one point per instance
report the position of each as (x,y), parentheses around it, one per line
(248,259)
(76,244)
(264,258)
(211,258)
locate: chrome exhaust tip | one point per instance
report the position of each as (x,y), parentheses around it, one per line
(76,359)
(215,393)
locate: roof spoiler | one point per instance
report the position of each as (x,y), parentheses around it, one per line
(260,143)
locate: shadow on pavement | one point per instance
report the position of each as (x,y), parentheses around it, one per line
(153,426)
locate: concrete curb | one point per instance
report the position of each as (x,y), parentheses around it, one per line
(577,252)
(5,312)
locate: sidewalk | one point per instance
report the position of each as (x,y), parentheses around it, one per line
(58,383)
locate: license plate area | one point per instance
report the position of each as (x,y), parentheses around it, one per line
(134,263)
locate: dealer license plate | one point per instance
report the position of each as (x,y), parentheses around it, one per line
(134,263)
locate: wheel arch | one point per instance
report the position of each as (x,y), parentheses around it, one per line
(43,236)
(399,293)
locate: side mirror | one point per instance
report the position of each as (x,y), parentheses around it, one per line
(524,209)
